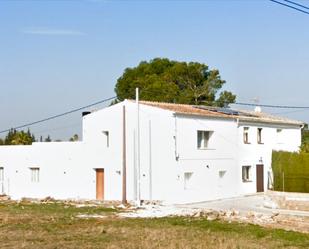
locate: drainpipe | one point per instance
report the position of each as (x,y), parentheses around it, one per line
(175,139)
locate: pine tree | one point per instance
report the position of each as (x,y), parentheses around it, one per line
(48,139)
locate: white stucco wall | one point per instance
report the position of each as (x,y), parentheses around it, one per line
(168,150)
(254,153)
(205,164)
(65,170)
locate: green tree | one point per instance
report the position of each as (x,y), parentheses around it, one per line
(1,141)
(48,139)
(171,81)
(74,138)
(225,98)
(9,137)
(15,137)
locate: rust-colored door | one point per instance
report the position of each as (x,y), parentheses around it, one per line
(260,178)
(99,184)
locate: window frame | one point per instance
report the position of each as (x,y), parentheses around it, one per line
(35,174)
(248,173)
(106,134)
(246,139)
(259,135)
(187,184)
(1,174)
(203,144)
(222,174)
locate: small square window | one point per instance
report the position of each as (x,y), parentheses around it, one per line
(187,180)
(246,173)
(246,135)
(203,139)
(35,174)
(222,173)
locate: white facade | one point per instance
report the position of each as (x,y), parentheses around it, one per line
(174,165)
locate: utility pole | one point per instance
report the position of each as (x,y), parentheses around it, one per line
(138,197)
(124,157)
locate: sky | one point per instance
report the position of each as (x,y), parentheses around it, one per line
(57,55)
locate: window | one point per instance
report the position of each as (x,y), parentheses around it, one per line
(1,174)
(221,181)
(246,135)
(187,180)
(106,133)
(246,173)
(35,174)
(222,173)
(259,135)
(203,139)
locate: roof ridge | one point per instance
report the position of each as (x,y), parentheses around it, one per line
(213,111)
(168,103)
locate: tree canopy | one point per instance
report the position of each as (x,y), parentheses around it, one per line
(165,80)
(15,137)
(74,138)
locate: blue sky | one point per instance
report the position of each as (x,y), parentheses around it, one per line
(58,55)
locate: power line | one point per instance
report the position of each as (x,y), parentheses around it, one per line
(300,5)
(288,112)
(289,6)
(59,128)
(58,115)
(272,106)
(237,103)
(111,98)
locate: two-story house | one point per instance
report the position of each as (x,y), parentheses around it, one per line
(168,152)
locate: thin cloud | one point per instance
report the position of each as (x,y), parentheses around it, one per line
(50,31)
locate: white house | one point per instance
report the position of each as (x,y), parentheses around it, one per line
(170,152)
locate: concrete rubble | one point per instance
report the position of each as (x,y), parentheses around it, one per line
(273,219)
(274,210)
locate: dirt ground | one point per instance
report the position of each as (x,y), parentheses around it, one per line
(53,224)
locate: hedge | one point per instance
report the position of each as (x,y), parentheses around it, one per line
(291,171)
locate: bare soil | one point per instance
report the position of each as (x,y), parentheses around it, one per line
(67,225)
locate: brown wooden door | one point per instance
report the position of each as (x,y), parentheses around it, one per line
(99,184)
(260,178)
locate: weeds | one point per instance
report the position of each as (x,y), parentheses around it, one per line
(55,225)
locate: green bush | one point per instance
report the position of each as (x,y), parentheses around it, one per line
(291,171)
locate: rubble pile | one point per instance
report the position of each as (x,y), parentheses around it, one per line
(272,220)
(270,214)
(290,201)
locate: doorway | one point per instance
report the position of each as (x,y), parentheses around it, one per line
(99,184)
(260,178)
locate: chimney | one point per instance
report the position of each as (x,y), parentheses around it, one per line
(85,113)
(258,109)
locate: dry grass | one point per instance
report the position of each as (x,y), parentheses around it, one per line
(55,225)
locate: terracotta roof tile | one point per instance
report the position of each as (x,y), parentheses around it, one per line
(228,113)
